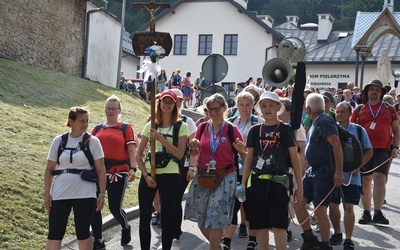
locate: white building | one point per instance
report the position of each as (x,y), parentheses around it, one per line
(247,41)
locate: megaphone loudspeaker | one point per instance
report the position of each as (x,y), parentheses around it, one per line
(277,72)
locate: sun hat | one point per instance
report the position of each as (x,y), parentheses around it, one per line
(178,93)
(169,93)
(270,96)
(375,82)
(329,96)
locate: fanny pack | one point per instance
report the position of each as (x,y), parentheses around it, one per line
(212,178)
(86,174)
(162,159)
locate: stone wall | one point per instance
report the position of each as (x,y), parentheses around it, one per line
(44,33)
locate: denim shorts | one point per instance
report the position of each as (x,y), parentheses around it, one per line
(317,182)
(351,193)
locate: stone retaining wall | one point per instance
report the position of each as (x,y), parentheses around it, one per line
(44,33)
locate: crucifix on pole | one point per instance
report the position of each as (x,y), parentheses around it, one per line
(140,42)
(152,7)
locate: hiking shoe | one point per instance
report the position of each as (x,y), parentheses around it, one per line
(176,245)
(365,218)
(336,239)
(242,231)
(251,245)
(325,246)
(155,219)
(310,242)
(126,236)
(99,245)
(379,218)
(348,244)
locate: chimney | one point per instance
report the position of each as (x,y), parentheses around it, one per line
(266,19)
(242,2)
(388,4)
(325,22)
(293,19)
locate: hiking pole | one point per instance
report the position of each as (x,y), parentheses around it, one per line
(153,125)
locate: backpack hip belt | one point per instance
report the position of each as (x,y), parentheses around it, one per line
(64,171)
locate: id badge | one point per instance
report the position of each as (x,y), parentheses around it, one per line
(212,164)
(372,126)
(260,163)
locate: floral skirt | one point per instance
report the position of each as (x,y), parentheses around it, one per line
(211,208)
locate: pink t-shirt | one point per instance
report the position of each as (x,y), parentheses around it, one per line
(224,155)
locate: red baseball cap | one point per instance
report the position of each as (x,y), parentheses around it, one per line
(169,93)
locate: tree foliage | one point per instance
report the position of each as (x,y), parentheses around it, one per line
(344,11)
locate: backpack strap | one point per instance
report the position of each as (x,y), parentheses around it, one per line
(86,149)
(359,133)
(83,145)
(254,119)
(387,105)
(232,140)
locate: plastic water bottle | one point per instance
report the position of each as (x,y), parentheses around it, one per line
(348,154)
(240,192)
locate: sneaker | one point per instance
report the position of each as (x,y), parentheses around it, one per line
(251,245)
(348,244)
(313,220)
(325,246)
(224,247)
(99,245)
(126,236)
(379,218)
(336,239)
(365,218)
(309,242)
(289,235)
(242,231)
(155,219)
(159,221)
(176,245)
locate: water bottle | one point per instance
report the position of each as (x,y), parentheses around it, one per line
(348,153)
(240,192)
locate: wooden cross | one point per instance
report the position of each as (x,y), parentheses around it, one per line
(152,7)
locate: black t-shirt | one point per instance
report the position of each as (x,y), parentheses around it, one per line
(275,141)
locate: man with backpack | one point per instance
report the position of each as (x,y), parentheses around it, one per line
(322,143)
(352,182)
(379,119)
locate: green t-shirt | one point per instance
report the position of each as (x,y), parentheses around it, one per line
(172,167)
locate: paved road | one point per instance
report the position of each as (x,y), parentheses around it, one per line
(364,236)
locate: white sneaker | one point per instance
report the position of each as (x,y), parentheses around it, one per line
(175,244)
(159,247)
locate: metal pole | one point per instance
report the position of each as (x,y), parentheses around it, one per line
(362,72)
(357,61)
(120,42)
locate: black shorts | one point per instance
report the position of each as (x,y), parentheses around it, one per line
(268,202)
(379,156)
(351,195)
(317,182)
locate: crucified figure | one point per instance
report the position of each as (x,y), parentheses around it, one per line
(152,12)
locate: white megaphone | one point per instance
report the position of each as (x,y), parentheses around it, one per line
(277,72)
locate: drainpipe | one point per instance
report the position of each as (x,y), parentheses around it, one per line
(120,43)
(86,46)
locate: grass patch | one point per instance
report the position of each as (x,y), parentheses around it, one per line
(34,107)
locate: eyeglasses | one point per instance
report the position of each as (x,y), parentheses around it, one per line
(112,109)
(216,109)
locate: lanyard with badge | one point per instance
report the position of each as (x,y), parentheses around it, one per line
(261,160)
(214,142)
(167,133)
(242,128)
(374,115)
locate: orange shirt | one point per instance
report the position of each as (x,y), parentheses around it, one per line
(380,134)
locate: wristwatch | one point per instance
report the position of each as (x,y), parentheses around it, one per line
(396,147)
(134,169)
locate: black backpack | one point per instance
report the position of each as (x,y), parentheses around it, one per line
(351,147)
(83,145)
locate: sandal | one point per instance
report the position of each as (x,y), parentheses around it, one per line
(251,245)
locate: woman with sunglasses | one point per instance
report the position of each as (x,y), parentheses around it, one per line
(213,149)
(167,175)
